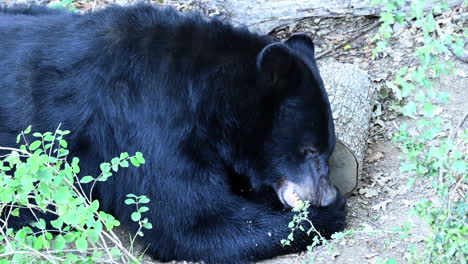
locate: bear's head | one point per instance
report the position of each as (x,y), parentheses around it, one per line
(302,138)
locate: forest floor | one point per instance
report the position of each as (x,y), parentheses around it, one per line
(383,199)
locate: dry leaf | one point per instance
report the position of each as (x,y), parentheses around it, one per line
(334,254)
(378,76)
(408,203)
(369,192)
(461,73)
(382,205)
(368,256)
(382,180)
(375,156)
(402,189)
(380,123)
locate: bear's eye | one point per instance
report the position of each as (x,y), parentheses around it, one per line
(308,151)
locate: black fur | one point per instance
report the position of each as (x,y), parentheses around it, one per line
(220,114)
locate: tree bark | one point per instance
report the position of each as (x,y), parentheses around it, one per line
(351,97)
(263,16)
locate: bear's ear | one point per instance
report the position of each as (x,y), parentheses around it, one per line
(303,44)
(277,66)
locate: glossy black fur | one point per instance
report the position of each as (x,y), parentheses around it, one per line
(219,128)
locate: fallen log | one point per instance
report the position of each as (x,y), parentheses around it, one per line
(351,96)
(263,16)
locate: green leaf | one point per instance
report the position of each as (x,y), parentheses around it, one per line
(94,206)
(40,224)
(105,167)
(15,212)
(143,209)
(148,226)
(143,199)
(115,252)
(63,152)
(57,223)
(63,194)
(430,110)
(111,224)
(136,216)
(124,164)
(409,109)
(391,261)
(430,24)
(129,201)
(59,243)
(39,243)
(387,18)
(36,144)
(135,162)
(140,158)
(63,143)
(81,243)
(27,130)
(93,235)
(460,166)
(86,179)
(49,138)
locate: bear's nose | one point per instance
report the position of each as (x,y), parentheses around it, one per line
(329,194)
(318,196)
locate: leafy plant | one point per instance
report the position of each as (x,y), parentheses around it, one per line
(68,4)
(430,152)
(137,215)
(300,217)
(35,179)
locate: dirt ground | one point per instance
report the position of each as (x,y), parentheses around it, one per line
(383,200)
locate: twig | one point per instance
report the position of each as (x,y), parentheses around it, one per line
(106,249)
(17,150)
(43,233)
(53,141)
(463,57)
(464,120)
(359,33)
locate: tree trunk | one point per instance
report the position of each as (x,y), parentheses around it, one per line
(263,16)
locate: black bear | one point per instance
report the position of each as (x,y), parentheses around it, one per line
(233,125)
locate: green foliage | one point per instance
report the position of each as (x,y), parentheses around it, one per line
(64,4)
(136,216)
(429,151)
(38,178)
(300,217)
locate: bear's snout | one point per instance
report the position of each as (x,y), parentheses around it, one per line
(291,193)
